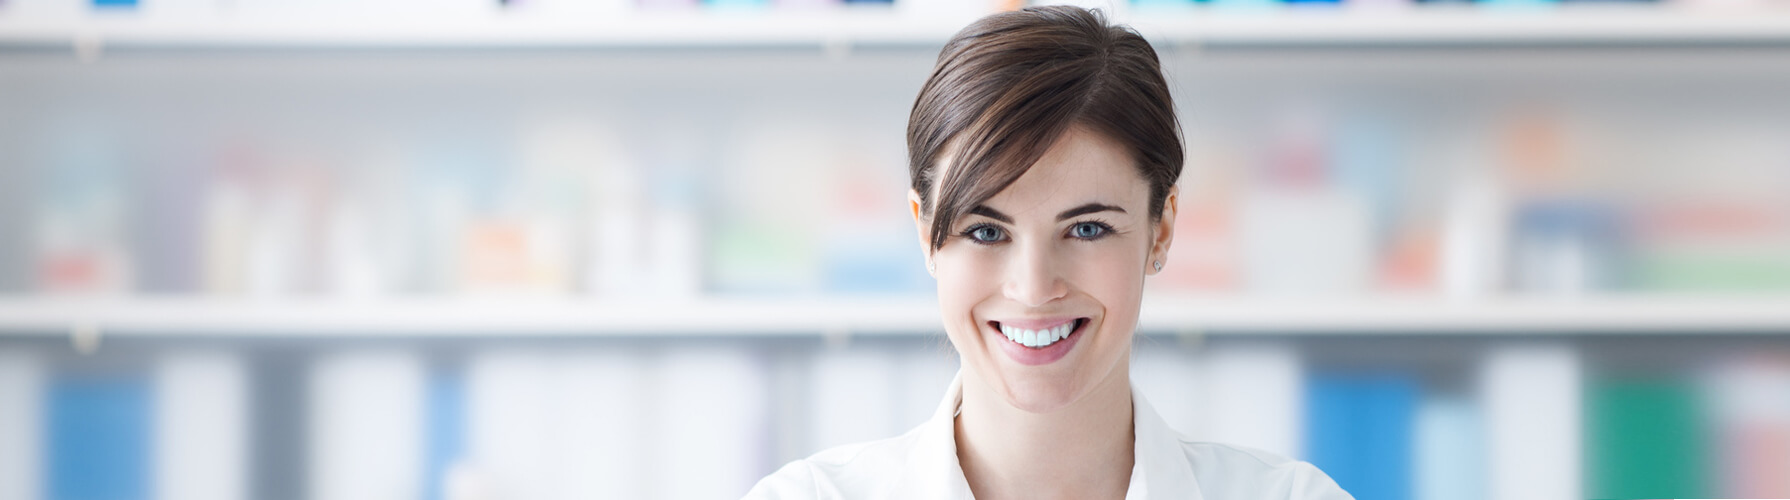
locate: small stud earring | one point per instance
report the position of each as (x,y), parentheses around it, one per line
(1159,265)
(931,267)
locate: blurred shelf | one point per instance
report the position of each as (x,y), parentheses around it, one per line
(499,317)
(1429,315)
(1469,25)
(495,30)
(1216,26)
(469,316)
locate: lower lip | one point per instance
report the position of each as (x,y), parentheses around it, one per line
(1037,356)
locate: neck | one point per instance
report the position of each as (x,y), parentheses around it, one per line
(1083,450)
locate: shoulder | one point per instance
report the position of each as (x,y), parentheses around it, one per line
(1231,471)
(860,470)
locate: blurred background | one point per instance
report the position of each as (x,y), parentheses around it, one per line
(556,249)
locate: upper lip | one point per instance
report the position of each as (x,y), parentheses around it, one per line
(1036,323)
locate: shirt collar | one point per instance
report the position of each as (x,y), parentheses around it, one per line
(1159,468)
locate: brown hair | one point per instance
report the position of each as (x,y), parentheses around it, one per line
(1006,87)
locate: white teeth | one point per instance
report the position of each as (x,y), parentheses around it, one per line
(1038,338)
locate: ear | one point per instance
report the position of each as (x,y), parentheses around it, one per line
(920,226)
(1165,232)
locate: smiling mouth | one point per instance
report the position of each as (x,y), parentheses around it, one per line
(1040,338)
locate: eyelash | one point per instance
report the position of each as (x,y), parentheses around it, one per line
(969,232)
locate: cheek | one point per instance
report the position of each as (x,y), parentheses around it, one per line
(1113,276)
(1105,267)
(965,278)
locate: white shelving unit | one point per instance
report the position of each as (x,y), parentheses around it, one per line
(1531,393)
(901,316)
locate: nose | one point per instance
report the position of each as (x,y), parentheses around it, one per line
(1034,277)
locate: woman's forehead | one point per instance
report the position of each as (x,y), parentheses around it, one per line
(1081,167)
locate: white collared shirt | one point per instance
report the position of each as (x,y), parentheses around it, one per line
(923,464)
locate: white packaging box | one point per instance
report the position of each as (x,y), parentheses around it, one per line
(713,429)
(366,425)
(21,394)
(853,395)
(201,426)
(1532,399)
(1256,398)
(558,425)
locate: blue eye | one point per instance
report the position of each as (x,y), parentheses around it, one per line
(1089,230)
(985,234)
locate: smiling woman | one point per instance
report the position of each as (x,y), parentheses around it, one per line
(1043,154)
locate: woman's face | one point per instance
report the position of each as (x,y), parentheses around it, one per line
(1040,285)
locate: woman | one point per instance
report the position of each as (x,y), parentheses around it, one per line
(1043,154)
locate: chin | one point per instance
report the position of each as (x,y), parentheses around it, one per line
(1042,395)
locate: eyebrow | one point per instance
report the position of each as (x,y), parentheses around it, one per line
(1085,209)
